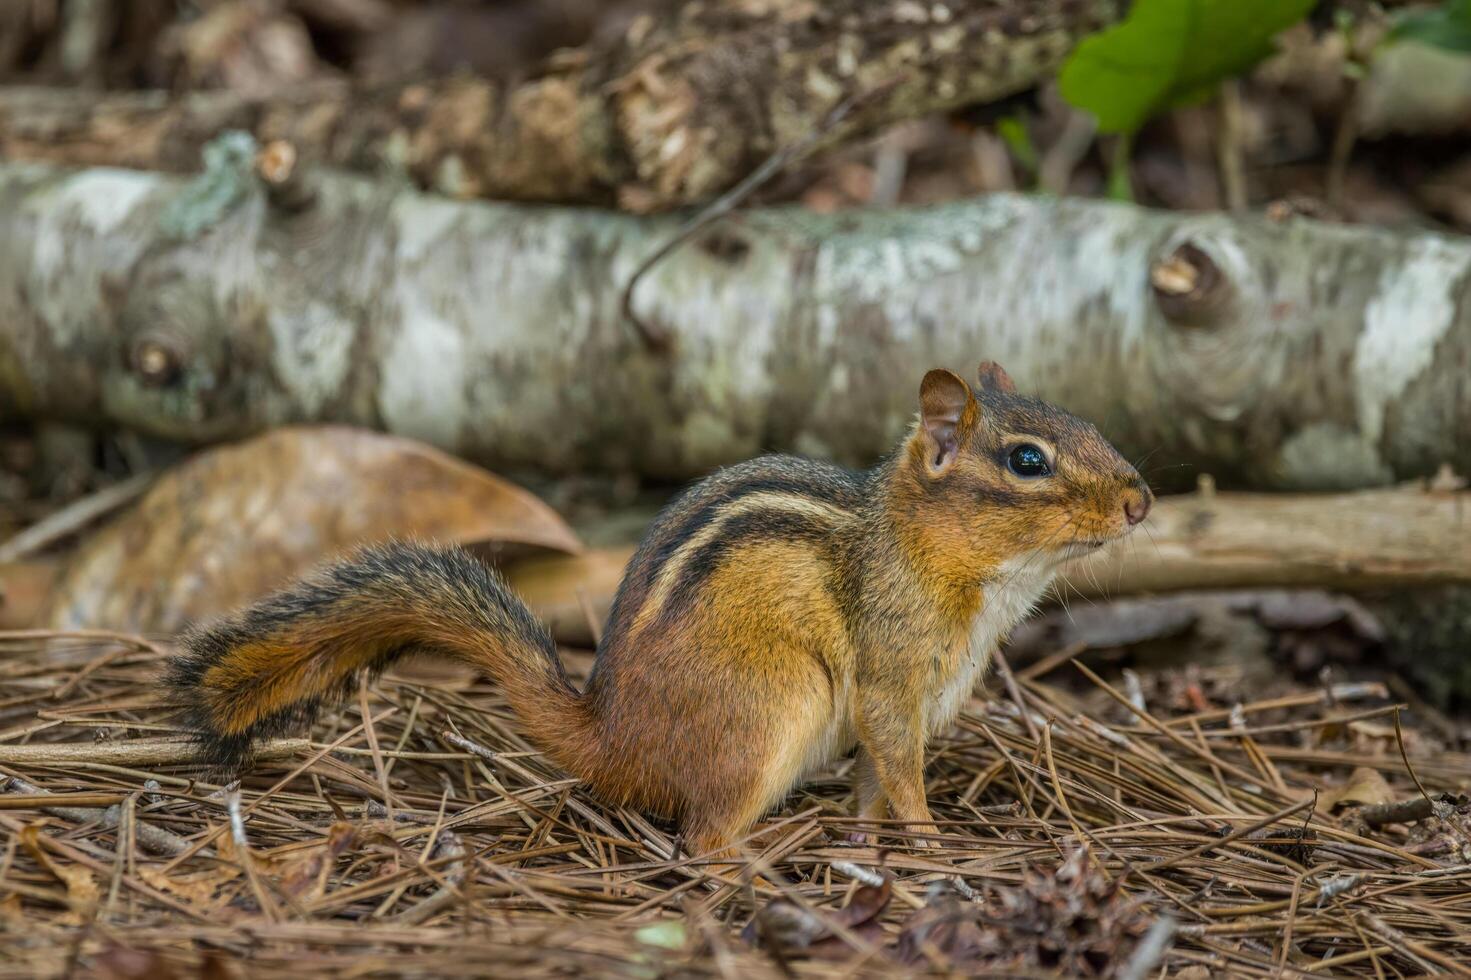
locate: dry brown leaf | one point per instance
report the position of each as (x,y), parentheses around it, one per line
(121,963)
(24,587)
(82,892)
(789,929)
(307,874)
(233,523)
(229,854)
(948,925)
(202,889)
(563,589)
(1364,787)
(215,967)
(1370,730)
(428,669)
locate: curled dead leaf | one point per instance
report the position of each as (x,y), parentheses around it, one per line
(306,876)
(788,929)
(1364,787)
(669,934)
(82,892)
(564,590)
(948,925)
(203,890)
(122,963)
(24,587)
(216,967)
(234,523)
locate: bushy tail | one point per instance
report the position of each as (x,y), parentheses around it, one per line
(267,669)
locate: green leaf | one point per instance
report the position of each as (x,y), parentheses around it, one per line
(668,934)
(1013,132)
(1171,52)
(1447,26)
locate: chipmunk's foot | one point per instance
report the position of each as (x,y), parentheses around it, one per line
(929,840)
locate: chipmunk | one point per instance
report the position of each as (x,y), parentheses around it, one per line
(777,615)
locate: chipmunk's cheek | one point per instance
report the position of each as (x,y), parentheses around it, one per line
(1102,526)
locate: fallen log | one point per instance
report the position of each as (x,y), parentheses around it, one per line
(1395,538)
(1391,540)
(1289,354)
(676,109)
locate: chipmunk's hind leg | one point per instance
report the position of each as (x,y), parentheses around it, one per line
(730,854)
(703,842)
(742,787)
(716,841)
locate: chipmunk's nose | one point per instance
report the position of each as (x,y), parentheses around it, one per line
(1137,501)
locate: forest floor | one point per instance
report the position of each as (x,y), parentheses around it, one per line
(1186,823)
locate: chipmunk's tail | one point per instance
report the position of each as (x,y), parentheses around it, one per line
(268,669)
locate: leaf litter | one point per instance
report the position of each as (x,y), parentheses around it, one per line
(1113,843)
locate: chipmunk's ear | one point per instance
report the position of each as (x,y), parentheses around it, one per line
(947,411)
(993,377)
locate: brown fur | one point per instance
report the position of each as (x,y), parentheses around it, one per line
(776,615)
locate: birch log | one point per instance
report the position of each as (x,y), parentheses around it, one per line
(1408,540)
(1275,354)
(1389,539)
(675,109)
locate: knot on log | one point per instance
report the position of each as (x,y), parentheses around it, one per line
(1189,287)
(156,361)
(286,186)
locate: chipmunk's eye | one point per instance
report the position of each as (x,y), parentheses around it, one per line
(1028,460)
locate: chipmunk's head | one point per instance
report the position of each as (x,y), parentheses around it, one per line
(1013,478)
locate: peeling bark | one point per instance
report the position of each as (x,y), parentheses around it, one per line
(1273,354)
(673,112)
